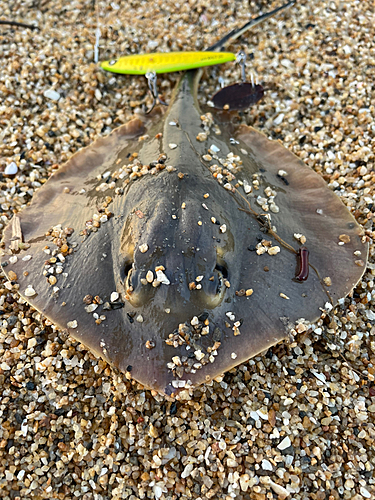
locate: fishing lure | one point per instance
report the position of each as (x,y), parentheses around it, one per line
(165,62)
(235,97)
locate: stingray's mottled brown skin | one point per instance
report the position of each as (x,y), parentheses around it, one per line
(143,215)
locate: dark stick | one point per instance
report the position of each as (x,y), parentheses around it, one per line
(20,25)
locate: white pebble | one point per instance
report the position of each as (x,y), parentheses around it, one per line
(72,324)
(274,208)
(29,292)
(161,277)
(223,228)
(365,493)
(98,94)
(186,472)
(52,94)
(114,296)
(214,148)
(157,491)
(8,476)
(289,460)
(254,415)
(91,308)
(279,490)
(273,250)
(231,462)
(199,355)
(266,465)
(143,248)
(194,321)
(11,169)
(279,119)
(285,443)
(21,475)
(246,187)
(172,146)
(319,376)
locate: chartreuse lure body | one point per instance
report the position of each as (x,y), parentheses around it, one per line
(168,62)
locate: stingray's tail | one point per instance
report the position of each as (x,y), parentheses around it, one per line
(250,24)
(192,76)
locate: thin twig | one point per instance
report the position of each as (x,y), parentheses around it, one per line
(20,25)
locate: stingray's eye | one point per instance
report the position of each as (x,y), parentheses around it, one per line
(222,273)
(136,293)
(112,62)
(128,272)
(139,290)
(214,286)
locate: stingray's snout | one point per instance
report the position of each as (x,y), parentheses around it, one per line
(177,284)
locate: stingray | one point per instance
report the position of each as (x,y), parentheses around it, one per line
(183,244)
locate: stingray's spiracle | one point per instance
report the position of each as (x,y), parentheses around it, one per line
(303,263)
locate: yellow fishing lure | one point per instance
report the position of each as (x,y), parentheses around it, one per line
(168,62)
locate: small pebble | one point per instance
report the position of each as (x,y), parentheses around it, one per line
(51,94)
(273,250)
(162,278)
(143,248)
(29,292)
(285,443)
(91,308)
(11,169)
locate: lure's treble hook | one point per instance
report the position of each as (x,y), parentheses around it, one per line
(239,96)
(151,80)
(241,60)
